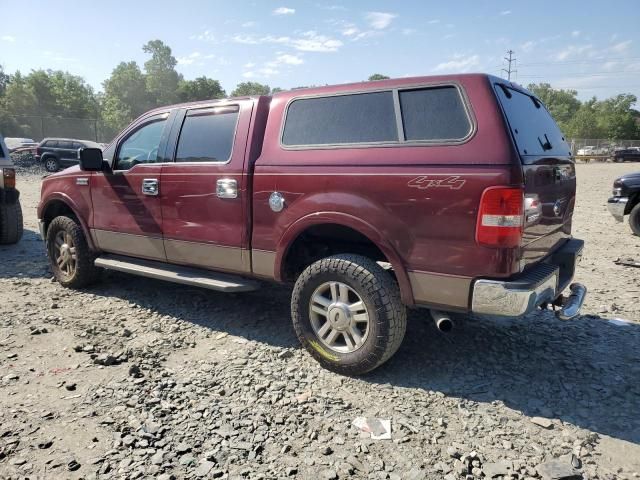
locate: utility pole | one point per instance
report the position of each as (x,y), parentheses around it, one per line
(510,60)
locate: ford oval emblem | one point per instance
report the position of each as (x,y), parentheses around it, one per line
(556,208)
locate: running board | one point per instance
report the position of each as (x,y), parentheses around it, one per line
(178,274)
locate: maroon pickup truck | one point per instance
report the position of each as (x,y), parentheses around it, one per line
(453,193)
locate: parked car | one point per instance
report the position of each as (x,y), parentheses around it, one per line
(55,153)
(14,143)
(627,154)
(626,200)
(10,210)
(591,150)
(454,193)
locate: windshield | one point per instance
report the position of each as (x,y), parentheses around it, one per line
(534,130)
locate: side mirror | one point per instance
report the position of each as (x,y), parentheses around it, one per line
(90,159)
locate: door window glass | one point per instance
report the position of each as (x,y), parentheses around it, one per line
(207,135)
(141,146)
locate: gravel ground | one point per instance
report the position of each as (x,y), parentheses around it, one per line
(136,378)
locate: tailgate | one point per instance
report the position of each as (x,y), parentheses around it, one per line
(548,172)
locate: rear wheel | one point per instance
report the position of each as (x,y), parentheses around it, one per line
(634,219)
(10,223)
(347,313)
(69,255)
(51,164)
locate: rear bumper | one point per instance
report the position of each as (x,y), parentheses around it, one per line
(617,206)
(522,294)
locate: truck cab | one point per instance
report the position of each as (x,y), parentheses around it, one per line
(453,193)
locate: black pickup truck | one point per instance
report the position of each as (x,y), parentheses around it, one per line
(626,200)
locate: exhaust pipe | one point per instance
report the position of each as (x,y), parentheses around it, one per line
(442,320)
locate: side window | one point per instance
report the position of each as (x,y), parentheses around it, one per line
(52,144)
(341,119)
(141,146)
(76,145)
(65,144)
(433,114)
(207,135)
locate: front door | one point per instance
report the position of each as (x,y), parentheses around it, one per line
(127,213)
(205,198)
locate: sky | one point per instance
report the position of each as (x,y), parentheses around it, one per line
(590,46)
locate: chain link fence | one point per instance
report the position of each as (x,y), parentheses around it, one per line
(38,127)
(599,146)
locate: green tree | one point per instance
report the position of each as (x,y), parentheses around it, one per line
(250,88)
(125,96)
(377,76)
(161,77)
(584,123)
(616,119)
(201,88)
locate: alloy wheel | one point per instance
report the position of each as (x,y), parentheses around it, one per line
(339,317)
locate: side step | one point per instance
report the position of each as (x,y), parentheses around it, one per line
(177,274)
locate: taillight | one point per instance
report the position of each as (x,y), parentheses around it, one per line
(500,217)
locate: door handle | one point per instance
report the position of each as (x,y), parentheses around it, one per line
(227,188)
(150,186)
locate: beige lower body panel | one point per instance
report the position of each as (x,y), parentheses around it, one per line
(129,244)
(206,255)
(437,289)
(264,263)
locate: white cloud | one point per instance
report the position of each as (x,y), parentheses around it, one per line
(249,65)
(350,31)
(459,63)
(527,46)
(621,47)
(249,74)
(408,31)
(8,38)
(289,59)
(575,33)
(572,51)
(308,42)
(505,12)
(206,36)
(380,20)
(433,22)
(189,59)
(249,24)
(284,11)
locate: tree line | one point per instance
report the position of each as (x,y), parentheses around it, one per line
(131,90)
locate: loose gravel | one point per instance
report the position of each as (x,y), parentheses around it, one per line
(135,378)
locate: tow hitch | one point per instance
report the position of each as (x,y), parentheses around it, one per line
(570,306)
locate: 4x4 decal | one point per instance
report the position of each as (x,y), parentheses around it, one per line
(423,182)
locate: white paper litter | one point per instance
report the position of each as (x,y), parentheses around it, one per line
(379,428)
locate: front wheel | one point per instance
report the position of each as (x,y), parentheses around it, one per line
(347,313)
(51,164)
(634,219)
(69,255)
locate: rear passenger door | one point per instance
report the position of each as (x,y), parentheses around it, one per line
(205,201)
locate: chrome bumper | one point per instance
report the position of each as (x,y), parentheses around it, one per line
(511,299)
(616,206)
(541,284)
(43,233)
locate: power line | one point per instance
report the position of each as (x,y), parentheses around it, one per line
(511,60)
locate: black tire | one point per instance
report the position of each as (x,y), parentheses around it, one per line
(380,294)
(84,272)
(634,219)
(10,223)
(51,164)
